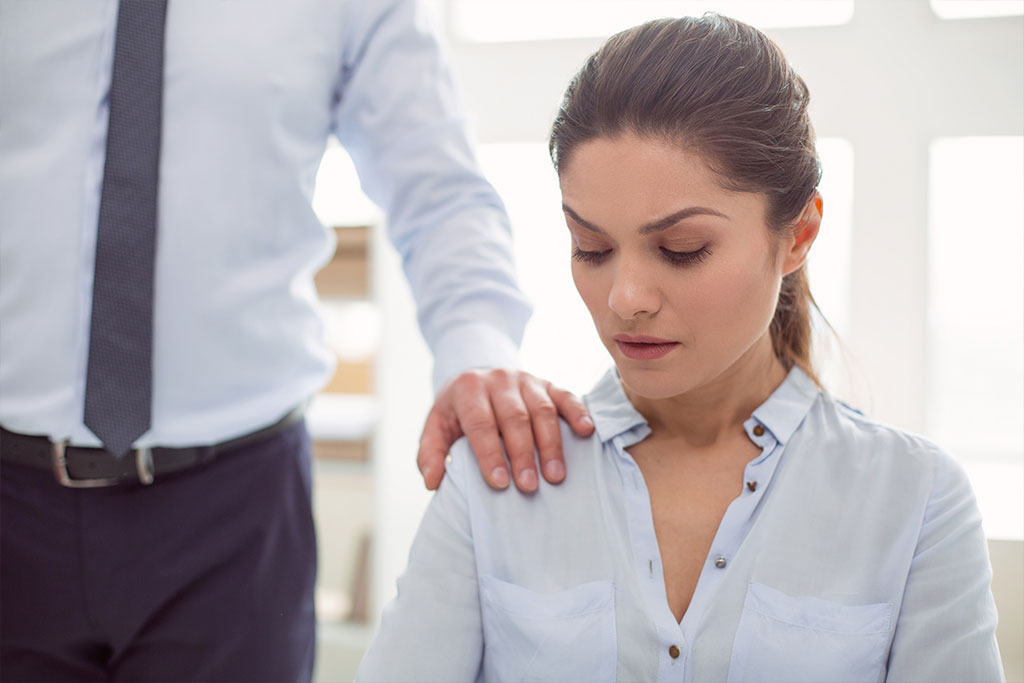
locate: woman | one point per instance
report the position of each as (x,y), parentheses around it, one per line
(729,520)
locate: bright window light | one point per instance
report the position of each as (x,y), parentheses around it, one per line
(338,199)
(976,318)
(976,295)
(560,343)
(516,20)
(828,265)
(970,9)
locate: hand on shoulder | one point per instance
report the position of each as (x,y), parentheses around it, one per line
(491,406)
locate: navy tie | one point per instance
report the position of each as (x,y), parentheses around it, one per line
(119,378)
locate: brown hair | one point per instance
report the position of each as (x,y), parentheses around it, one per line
(723,89)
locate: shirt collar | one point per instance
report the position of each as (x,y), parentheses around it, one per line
(611,411)
(785,409)
(781,413)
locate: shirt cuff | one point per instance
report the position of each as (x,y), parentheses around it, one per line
(469,346)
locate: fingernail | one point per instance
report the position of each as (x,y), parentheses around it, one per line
(586,421)
(425,471)
(528,479)
(499,475)
(554,470)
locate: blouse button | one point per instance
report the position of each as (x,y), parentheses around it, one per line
(720,562)
(758,430)
(673,651)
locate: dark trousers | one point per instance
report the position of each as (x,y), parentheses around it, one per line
(205,575)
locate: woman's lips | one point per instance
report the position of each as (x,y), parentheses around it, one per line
(643,347)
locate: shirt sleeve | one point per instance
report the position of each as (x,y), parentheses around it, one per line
(398,117)
(946,629)
(432,630)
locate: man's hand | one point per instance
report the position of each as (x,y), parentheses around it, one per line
(490,405)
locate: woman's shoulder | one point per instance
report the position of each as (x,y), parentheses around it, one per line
(582,454)
(841,460)
(854,422)
(835,428)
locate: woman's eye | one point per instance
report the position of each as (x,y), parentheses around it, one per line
(685,258)
(589,256)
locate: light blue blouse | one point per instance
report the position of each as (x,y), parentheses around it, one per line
(858,556)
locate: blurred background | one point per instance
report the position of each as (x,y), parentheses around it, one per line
(919,110)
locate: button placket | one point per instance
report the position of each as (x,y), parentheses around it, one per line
(767,443)
(732,530)
(644,543)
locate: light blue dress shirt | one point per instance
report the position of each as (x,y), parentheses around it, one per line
(858,556)
(252,90)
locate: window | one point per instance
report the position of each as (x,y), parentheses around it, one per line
(976,318)
(969,9)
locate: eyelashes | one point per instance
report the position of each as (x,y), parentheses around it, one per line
(675,258)
(589,256)
(685,258)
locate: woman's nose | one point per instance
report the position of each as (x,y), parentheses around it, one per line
(634,292)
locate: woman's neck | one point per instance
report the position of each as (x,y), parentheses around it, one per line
(705,415)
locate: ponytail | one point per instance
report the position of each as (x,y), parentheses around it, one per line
(791,327)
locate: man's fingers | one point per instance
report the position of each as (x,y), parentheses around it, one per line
(492,406)
(478,423)
(516,428)
(546,432)
(435,441)
(572,410)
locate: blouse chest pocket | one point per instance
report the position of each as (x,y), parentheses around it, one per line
(785,638)
(564,636)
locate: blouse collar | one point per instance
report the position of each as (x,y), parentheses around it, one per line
(781,413)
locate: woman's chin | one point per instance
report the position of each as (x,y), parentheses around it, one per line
(652,383)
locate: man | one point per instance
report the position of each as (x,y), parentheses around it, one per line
(158,335)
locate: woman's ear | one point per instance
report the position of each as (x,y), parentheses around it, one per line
(804,231)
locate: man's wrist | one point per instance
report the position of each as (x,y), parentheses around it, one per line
(472,346)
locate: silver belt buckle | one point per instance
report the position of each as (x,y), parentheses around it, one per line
(143,465)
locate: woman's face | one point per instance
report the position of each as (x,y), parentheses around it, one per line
(680,275)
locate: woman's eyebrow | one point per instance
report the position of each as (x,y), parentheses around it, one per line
(576,217)
(655,226)
(669,221)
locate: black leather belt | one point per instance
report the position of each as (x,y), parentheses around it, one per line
(78,467)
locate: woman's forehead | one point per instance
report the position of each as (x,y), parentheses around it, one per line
(644,179)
